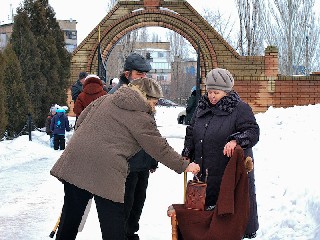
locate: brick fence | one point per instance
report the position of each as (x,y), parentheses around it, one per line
(281,92)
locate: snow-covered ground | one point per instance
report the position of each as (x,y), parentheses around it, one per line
(286,168)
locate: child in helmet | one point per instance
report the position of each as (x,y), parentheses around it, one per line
(59,126)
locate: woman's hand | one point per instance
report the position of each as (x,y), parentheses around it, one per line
(193,167)
(229,148)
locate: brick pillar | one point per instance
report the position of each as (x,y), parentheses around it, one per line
(271,61)
(271,67)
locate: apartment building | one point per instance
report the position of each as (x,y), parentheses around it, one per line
(69,28)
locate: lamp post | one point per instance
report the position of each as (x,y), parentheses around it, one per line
(198,90)
(307,55)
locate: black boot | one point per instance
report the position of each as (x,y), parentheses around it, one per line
(133,237)
(250,235)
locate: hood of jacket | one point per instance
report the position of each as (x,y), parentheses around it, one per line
(131,99)
(92,86)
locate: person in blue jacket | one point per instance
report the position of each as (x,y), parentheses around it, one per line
(59,126)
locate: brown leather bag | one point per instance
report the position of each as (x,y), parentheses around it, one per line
(195,195)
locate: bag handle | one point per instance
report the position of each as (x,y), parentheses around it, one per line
(205,179)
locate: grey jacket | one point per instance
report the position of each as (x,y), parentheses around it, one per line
(96,157)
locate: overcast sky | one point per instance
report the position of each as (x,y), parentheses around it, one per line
(89,13)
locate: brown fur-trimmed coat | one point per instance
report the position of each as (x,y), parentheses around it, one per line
(109,132)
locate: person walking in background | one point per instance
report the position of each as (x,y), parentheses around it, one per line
(59,126)
(135,68)
(92,89)
(113,83)
(77,87)
(191,105)
(89,169)
(52,112)
(222,121)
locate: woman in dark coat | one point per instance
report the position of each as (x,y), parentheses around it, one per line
(221,121)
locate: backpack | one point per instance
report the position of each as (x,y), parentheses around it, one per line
(59,124)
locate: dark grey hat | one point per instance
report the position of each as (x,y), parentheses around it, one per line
(148,86)
(220,79)
(137,62)
(83,75)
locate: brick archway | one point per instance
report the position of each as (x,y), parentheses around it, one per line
(177,15)
(256,77)
(147,18)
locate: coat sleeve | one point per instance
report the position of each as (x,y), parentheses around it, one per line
(145,132)
(67,124)
(247,130)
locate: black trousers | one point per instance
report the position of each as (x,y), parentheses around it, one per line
(111,214)
(59,142)
(134,198)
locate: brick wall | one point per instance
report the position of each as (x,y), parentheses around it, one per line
(281,92)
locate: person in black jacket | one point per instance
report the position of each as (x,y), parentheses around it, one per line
(222,121)
(191,105)
(135,67)
(77,87)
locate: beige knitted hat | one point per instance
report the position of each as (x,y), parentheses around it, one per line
(148,86)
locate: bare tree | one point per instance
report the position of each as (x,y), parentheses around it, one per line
(111,4)
(223,25)
(120,51)
(178,44)
(180,52)
(293,29)
(251,18)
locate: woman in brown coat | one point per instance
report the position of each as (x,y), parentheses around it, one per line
(95,161)
(92,89)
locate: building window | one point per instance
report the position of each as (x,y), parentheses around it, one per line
(162,77)
(160,65)
(160,55)
(70,34)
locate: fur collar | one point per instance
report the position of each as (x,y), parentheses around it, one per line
(225,105)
